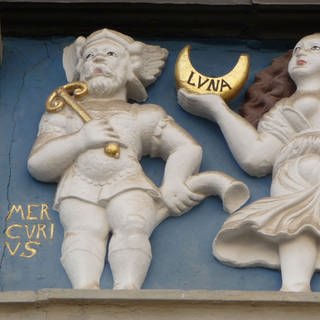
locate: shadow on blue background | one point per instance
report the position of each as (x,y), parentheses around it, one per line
(182,256)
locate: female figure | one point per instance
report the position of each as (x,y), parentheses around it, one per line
(282,230)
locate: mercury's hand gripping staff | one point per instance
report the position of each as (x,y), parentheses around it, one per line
(66,95)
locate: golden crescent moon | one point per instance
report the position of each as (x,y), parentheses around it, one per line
(227,86)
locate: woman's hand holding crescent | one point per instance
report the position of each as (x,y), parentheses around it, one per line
(207,106)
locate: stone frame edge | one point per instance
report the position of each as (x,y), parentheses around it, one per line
(157,304)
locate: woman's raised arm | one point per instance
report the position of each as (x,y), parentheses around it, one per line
(254,151)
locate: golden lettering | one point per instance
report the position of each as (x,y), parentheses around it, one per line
(51,231)
(14,251)
(32,251)
(16,209)
(213,85)
(33,230)
(9,229)
(190,78)
(41,228)
(44,212)
(202,83)
(225,84)
(30,210)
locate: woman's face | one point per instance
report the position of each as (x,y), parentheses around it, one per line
(305,61)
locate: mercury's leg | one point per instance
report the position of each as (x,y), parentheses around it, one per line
(132,218)
(85,239)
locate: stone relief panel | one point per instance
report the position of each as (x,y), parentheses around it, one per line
(281,231)
(181,247)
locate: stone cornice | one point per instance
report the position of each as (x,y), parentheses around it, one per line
(175,20)
(158,304)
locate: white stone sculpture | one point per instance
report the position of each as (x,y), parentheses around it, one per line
(284,229)
(101,192)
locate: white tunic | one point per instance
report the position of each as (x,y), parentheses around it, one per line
(94,176)
(251,235)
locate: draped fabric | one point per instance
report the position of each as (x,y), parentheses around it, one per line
(252,234)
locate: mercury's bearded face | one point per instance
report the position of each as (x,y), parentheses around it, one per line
(104,67)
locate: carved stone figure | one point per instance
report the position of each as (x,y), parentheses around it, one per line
(282,230)
(92,146)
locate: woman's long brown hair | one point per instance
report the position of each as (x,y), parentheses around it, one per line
(270,85)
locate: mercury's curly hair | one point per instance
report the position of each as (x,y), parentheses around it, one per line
(270,85)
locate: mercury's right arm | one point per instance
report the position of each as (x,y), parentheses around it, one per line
(51,156)
(56,148)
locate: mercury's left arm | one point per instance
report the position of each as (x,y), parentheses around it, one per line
(181,152)
(183,157)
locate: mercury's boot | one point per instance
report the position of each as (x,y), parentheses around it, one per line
(129,265)
(83,268)
(83,258)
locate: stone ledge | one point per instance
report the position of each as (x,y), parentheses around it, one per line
(44,296)
(157,304)
(206,2)
(201,2)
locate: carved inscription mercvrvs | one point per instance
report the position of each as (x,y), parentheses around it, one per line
(27,227)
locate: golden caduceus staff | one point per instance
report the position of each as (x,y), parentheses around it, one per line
(66,95)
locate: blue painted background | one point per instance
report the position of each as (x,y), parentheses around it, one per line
(182,256)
